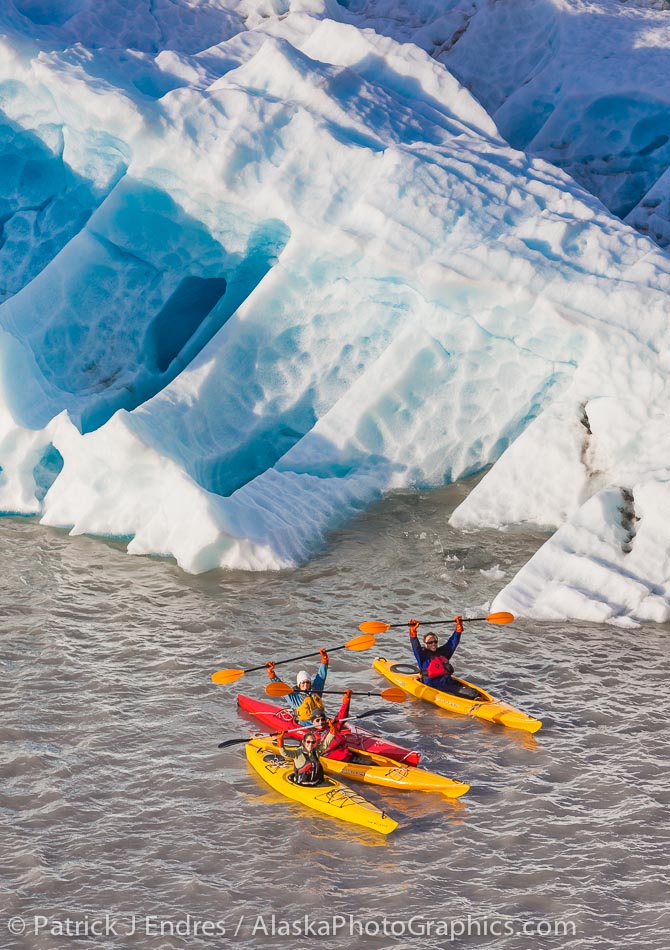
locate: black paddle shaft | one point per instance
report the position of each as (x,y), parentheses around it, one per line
(230,742)
(293,659)
(434,623)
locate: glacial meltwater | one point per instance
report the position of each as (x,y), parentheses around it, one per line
(123,825)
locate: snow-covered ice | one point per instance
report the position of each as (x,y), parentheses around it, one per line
(262,262)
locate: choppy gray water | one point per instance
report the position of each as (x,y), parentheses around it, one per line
(114,799)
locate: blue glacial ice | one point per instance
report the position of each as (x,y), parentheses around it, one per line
(261,265)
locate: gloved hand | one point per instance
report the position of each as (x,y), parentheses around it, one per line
(459,624)
(332,726)
(347,695)
(280,740)
(413,627)
(324,655)
(270,667)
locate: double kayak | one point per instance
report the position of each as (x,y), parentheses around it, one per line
(279,719)
(482,705)
(330,796)
(380,770)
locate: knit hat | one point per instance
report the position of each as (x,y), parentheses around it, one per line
(302,676)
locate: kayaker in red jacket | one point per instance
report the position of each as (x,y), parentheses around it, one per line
(433,660)
(329,733)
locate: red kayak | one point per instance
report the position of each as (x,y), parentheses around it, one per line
(278,718)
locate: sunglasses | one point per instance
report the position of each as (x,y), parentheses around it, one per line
(430,642)
(308,742)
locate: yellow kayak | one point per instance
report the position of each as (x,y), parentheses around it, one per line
(483,707)
(330,797)
(380,770)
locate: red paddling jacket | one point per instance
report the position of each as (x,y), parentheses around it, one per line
(333,742)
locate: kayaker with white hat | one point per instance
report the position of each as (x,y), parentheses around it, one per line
(305,697)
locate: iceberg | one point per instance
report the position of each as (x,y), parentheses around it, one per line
(263,263)
(580,85)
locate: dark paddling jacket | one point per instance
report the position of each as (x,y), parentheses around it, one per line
(307,769)
(435,667)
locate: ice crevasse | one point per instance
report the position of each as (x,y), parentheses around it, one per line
(249,287)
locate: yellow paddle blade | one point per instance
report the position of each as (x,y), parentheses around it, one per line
(224,677)
(278,689)
(394,694)
(360,643)
(502,617)
(373,626)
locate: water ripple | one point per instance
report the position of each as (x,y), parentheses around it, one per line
(114,798)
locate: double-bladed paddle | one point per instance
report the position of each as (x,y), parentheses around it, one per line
(376,626)
(393,694)
(224,677)
(272,735)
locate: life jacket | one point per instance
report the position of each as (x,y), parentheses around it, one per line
(438,666)
(307,708)
(309,773)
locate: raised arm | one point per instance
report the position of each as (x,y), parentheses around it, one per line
(319,680)
(343,711)
(287,753)
(272,676)
(414,641)
(450,646)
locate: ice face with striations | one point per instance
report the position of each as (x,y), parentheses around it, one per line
(261,264)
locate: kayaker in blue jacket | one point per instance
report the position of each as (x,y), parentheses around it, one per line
(433,660)
(305,697)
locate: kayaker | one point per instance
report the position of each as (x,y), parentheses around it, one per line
(433,660)
(329,732)
(305,697)
(307,769)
